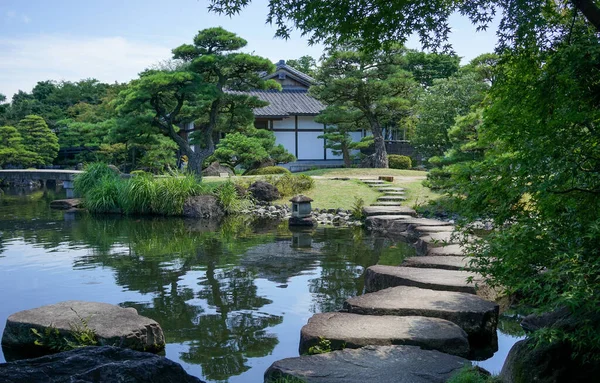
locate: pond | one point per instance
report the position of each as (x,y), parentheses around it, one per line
(231,299)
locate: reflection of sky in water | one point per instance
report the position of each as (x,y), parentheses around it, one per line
(198,285)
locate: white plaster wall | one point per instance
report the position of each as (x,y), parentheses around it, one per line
(288,140)
(308,122)
(286,123)
(309,146)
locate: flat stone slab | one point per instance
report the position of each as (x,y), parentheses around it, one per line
(398,223)
(391,210)
(438,262)
(96,364)
(381,364)
(381,277)
(345,330)
(374,182)
(387,192)
(112,324)
(384,203)
(65,204)
(390,189)
(448,250)
(478,317)
(391,198)
(434,229)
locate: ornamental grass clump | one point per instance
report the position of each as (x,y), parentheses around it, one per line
(171,193)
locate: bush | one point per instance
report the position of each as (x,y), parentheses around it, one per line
(268,170)
(290,184)
(399,162)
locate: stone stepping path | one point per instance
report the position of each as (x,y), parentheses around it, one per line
(390,189)
(381,364)
(394,193)
(434,229)
(345,330)
(381,277)
(438,262)
(476,316)
(396,223)
(374,182)
(389,210)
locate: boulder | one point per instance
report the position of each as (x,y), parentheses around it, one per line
(546,363)
(215,169)
(65,204)
(113,326)
(381,364)
(264,191)
(478,317)
(398,223)
(347,330)
(380,277)
(202,206)
(96,364)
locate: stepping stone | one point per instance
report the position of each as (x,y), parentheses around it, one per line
(434,229)
(478,317)
(390,210)
(381,277)
(374,182)
(345,330)
(438,262)
(396,223)
(392,198)
(389,203)
(452,250)
(390,189)
(394,193)
(381,364)
(445,238)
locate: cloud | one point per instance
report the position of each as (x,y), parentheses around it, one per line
(25,19)
(25,61)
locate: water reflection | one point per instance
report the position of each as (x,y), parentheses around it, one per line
(213,288)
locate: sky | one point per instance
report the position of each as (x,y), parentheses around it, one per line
(114,40)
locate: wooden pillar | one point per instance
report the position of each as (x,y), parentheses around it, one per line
(296,132)
(324,143)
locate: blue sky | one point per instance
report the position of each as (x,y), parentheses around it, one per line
(114,40)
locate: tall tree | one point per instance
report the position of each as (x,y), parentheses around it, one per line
(38,138)
(370,86)
(200,90)
(305,64)
(12,150)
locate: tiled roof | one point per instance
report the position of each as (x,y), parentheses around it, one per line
(287,102)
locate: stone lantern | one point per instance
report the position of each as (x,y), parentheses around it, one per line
(301,210)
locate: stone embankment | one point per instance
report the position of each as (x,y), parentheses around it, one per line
(432,301)
(330,217)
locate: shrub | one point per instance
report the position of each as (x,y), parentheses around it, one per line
(399,162)
(290,184)
(472,375)
(268,170)
(92,175)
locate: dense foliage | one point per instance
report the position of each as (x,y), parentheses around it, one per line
(399,162)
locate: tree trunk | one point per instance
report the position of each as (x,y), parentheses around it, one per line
(380,159)
(346,156)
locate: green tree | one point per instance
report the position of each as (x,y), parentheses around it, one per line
(427,67)
(340,122)
(439,107)
(38,138)
(12,150)
(305,64)
(196,92)
(371,87)
(251,149)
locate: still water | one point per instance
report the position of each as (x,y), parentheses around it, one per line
(231,299)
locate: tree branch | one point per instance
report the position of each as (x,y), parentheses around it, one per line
(590,10)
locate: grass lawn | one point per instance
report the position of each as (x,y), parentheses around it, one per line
(329,193)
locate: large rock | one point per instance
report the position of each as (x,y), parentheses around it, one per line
(264,191)
(65,204)
(96,364)
(203,206)
(452,250)
(380,277)
(345,330)
(381,364)
(547,363)
(478,317)
(438,262)
(113,326)
(216,169)
(399,224)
